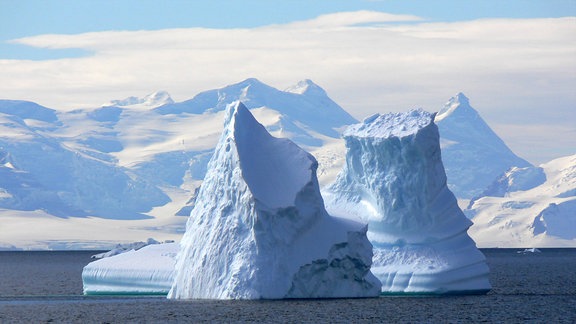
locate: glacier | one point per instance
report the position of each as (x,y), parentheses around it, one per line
(394,181)
(259,229)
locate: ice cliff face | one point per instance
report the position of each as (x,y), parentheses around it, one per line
(394,180)
(259,228)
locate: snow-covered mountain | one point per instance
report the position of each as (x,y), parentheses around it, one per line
(122,171)
(153,100)
(136,158)
(302,108)
(529,207)
(473,155)
(38,172)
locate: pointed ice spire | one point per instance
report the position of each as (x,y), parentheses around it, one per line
(259,228)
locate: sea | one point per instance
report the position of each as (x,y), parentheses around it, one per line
(528,287)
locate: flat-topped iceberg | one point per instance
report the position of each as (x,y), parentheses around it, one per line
(148,270)
(394,181)
(259,229)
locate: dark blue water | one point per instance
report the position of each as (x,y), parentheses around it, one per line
(41,287)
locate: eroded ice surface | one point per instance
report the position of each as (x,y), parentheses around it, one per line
(259,228)
(394,181)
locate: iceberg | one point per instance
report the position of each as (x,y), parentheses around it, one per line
(146,271)
(259,229)
(394,181)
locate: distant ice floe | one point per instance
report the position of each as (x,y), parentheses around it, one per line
(148,270)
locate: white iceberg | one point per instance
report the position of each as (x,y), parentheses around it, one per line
(259,229)
(394,181)
(149,270)
(529,250)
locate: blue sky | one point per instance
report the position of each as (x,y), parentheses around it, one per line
(514,59)
(34,17)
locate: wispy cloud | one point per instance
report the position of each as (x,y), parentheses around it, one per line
(368,61)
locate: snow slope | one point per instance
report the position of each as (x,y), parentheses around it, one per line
(91,178)
(530,210)
(38,172)
(132,159)
(259,228)
(394,181)
(473,155)
(304,106)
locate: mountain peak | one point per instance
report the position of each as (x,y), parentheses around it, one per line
(27,110)
(250,82)
(474,156)
(460,98)
(153,100)
(306,86)
(459,102)
(158,98)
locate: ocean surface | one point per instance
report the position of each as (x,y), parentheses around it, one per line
(43,287)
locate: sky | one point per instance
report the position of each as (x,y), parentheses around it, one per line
(514,59)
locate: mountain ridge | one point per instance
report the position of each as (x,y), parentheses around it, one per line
(167,153)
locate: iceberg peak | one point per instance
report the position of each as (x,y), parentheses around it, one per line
(260,163)
(259,228)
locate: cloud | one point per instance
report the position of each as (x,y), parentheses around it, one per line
(367,61)
(355,18)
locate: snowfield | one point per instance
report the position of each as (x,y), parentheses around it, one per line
(531,212)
